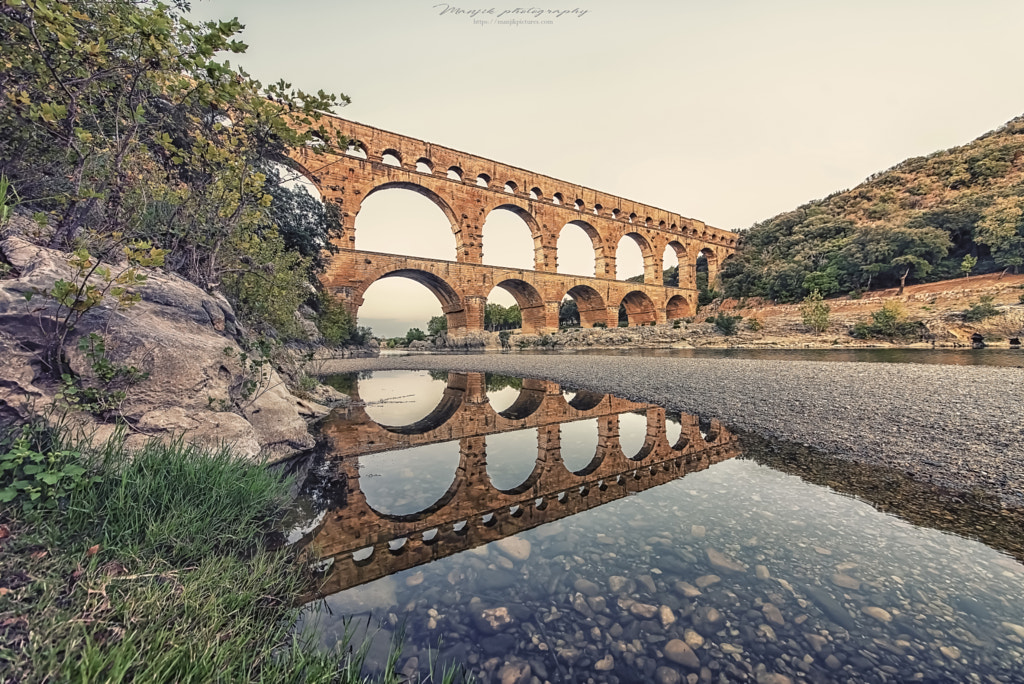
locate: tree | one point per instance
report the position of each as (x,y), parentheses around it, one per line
(415,335)
(1002,229)
(568,313)
(815,312)
(968,264)
(437,325)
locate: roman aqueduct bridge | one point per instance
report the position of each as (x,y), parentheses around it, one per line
(467,188)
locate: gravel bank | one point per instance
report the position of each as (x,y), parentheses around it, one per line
(956,426)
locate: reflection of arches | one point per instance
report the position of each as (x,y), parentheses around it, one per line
(518,252)
(590,304)
(531,304)
(450,402)
(427,476)
(579,442)
(570,242)
(633,435)
(512,463)
(639,308)
(678,307)
(525,405)
(585,400)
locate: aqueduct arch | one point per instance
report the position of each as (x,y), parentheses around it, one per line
(467,188)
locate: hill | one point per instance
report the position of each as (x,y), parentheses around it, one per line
(954,212)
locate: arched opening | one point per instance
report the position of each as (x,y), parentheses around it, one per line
(674,429)
(706,268)
(410,482)
(529,302)
(391,158)
(512,460)
(536,194)
(632,433)
(404,299)
(678,307)
(402,398)
(424,165)
(579,205)
(616,213)
(579,440)
(578,242)
(632,217)
(630,255)
(568,313)
(557,198)
(529,400)
(639,308)
(510,187)
(508,238)
(674,260)
(407,219)
(502,311)
(356,149)
(585,400)
(455,173)
(590,306)
(597,209)
(502,390)
(483,180)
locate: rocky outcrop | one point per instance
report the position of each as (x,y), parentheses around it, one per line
(187,340)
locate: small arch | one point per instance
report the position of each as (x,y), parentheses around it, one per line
(648,221)
(678,307)
(483,180)
(356,149)
(424,165)
(557,198)
(597,209)
(525,405)
(639,308)
(615,213)
(511,187)
(391,158)
(661,224)
(579,205)
(585,400)
(590,305)
(455,173)
(632,217)
(536,194)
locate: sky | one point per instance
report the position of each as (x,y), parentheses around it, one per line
(729,112)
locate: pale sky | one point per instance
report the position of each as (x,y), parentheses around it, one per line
(728,112)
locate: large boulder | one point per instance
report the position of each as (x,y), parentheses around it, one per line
(199,384)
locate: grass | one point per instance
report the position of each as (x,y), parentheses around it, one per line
(156,572)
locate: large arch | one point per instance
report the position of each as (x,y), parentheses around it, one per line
(387,238)
(436,471)
(505,243)
(639,308)
(571,249)
(512,463)
(624,271)
(678,307)
(710,259)
(590,304)
(452,304)
(530,301)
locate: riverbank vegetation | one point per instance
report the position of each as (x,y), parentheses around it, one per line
(952,213)
(124,125)
(150,567)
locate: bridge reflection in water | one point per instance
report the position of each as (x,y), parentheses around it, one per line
(362,543)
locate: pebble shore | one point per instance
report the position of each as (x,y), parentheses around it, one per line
(958,427)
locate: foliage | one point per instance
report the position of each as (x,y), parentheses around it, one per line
(8,200)
(415,335)
(306,225)
(815,312)
(568,314)
(498,317)
(123,117)
(437,325)
(34,472)
(600,324)
(333,321)
(888,322)
(110,381)
(725,323)
(754,324)
(503,337)
(918,220)
(968,264)
(497,382)
(982,310)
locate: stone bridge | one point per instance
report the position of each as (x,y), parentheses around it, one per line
(364,544)
(467,188)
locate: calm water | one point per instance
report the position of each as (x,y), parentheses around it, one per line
(535,533)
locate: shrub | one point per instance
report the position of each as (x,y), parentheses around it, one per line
(982,310)
(754,324)
(677,323)
(726,323)
(600,324)
(815,312)
(888,322)
(1021,299)
(335,323)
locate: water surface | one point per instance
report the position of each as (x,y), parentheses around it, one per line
(531,530)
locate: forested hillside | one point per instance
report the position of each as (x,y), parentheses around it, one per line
(952,213)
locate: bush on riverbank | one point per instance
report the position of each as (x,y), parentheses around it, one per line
(155,572)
